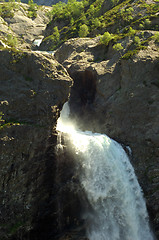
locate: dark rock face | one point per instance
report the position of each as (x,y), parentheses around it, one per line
(33,89)
(124,104)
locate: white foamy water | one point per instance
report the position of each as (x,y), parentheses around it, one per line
(118,210)
(37,42)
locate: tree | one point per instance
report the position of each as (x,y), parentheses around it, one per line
(83,31)
(32,10)
(137,41)
(96,23)
(56,35)
(106,38)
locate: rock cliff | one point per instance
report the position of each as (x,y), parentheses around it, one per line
(115,91)
(33,89)
(119,97)
(18,28)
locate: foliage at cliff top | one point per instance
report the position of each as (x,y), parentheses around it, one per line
(94,17)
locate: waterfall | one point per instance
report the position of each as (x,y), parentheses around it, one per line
(118,210)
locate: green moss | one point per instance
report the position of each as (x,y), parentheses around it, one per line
(8,124)
(131,53)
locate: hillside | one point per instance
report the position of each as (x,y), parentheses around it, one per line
(21,23)
(93,18)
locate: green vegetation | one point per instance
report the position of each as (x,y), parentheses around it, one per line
(54,39)
(156,37)
(4,123)
(131,31)
(32,10)
(118,47)
(131,53)
(83,31)
(7,9)
(137,41)
(89,18)
(11,40)
(106,38)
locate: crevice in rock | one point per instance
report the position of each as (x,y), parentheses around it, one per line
(83,94)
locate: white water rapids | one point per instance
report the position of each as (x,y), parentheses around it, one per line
(118,208)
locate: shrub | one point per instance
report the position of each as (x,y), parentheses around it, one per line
(131,31)
(83,31)
(147,22)
(96,23)
(106,38)
(32,10)
(137,41)
(6,10)
(114,2)
(156,37)
(54,39)
(12,41)
(118,47)
(129,54)
(129,10)
(56,34)
(141,26)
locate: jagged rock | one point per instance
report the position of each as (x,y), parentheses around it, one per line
(33,89)
(119,97)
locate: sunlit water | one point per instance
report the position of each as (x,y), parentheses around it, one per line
(37,42)
(118,210)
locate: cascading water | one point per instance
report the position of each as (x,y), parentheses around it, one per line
(118,210)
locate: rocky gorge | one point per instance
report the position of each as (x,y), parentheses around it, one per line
(108,93)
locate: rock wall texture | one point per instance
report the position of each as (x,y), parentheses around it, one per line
(22,27)
(41,198)
(33,89)
(119,97)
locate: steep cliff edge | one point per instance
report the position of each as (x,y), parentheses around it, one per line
(33,89)
(117,93)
